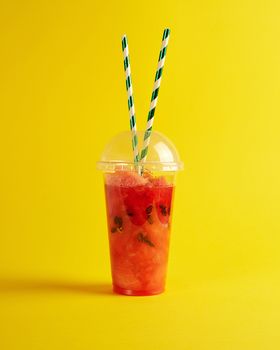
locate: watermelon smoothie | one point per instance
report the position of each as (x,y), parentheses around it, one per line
(139,211)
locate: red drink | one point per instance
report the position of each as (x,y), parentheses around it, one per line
(139,218)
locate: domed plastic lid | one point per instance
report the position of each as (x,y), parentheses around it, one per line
(162,154)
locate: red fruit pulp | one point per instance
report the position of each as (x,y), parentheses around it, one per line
(138,215)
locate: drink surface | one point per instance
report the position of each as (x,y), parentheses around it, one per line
(139,216)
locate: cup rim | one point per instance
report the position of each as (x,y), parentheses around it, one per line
(149,165)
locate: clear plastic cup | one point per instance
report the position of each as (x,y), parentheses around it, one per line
(139,212)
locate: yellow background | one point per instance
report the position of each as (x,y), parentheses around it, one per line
(62,98)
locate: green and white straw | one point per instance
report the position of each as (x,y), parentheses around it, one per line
(155,92)
(129,90)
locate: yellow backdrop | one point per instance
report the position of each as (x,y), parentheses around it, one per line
(62,98)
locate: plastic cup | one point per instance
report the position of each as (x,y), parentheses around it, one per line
(139,212)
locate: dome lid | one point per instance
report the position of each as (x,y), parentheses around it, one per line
(162,154)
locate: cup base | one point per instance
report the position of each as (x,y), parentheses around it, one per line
(130,292)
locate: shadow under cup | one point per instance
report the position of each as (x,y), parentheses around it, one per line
(139,212)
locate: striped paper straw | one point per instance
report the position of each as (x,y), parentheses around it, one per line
(155,92)
(131,108)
